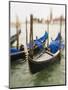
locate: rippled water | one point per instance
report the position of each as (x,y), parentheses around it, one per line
(20,75)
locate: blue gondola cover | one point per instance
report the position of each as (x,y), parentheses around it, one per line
(13,50)
(39,42)
(56,44)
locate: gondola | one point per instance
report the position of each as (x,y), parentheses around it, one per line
(16,54)
(48,56)
(14,38)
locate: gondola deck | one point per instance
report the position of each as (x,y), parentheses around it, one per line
(42,57)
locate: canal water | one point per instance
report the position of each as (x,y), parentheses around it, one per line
(20,75)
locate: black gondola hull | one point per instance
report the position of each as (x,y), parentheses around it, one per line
(38,66)
(17,56)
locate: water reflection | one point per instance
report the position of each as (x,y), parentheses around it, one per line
(52,75)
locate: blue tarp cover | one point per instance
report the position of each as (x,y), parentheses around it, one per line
(56,44)
(43,38)
(13,50)
(58,37)
(39,41)
(39,44)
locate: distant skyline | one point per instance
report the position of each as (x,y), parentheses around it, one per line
(23,11)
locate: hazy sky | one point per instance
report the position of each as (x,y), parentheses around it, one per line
(24,10)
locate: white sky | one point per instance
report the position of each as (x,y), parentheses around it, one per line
(24,10)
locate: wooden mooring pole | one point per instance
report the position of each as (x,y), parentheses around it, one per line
(60,30)
(17,30)
(60,23)
(48,31)
(26,33)
(31,35)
